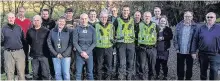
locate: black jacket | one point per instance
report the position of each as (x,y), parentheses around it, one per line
(49,23)
(37,39)
(168,36)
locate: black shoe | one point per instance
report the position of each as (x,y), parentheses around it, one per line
(188,79)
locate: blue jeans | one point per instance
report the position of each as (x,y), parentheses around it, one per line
(209,60)
(80,61)
(62,68)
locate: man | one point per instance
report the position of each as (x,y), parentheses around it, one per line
(182,43)
(92,17)
(137,20)
(114,15)
(147,38)
(12,38)
(84,40)
(69,18)
(157,15)
(206,40)
(104,47)
(47,22)
(25,24)
(70,23)
(125,37)
(37,39)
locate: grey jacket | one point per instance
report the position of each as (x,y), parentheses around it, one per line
(65,42)
(178,35)
(84,39)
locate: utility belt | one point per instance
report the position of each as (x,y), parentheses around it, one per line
(147,46)
(12,50)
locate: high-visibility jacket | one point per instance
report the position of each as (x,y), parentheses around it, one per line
(104,35)
(147,34)
(125,31)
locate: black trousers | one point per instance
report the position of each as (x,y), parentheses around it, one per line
(182,61)
(161,63)
(40,64)
(125,53)
(147,55)
(104,62)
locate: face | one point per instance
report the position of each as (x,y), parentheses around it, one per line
(104,18)
(45,15)
(61,23)
(157,12)
(188,17)
(69,14)
(84,19)
(92,16)
(37,21)
(137,15)
(21,12)
(211,18)
(163,22)
(11,18)
(147,17)
(114,10)
(126,11)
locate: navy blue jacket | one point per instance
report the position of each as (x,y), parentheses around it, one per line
(65,42)
(207,41)
(12,37)
(178,35)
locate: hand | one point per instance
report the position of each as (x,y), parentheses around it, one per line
(177,51)
(59,56)
(84,55)
(194,56)
(161,38)
(74,49)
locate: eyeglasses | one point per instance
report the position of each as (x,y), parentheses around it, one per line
(210,17)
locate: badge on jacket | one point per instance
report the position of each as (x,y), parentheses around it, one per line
(84,31)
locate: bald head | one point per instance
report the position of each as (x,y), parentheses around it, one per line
(84,19)
(11,18)
(147,16)
(211,18)
(37,20)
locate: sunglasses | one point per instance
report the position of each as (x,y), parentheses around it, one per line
(210,17)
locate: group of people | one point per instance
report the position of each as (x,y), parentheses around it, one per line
(62,48)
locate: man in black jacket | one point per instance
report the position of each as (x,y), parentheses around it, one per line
(46,21)
(36,38)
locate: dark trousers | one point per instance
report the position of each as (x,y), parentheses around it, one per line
(104,62)
(163,63)
(40,64)
(51,66)
(182,61)
(26,49)
(147,55)
(72,65)
(125,53)
(209,60)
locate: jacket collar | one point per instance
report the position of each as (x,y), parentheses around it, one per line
(64,29)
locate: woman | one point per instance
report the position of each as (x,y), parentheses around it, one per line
(164,36)
(59,43)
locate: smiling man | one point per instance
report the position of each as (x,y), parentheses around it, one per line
(207,41)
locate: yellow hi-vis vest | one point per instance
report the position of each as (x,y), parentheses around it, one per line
(104,35)
(125,31)
(147,35)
